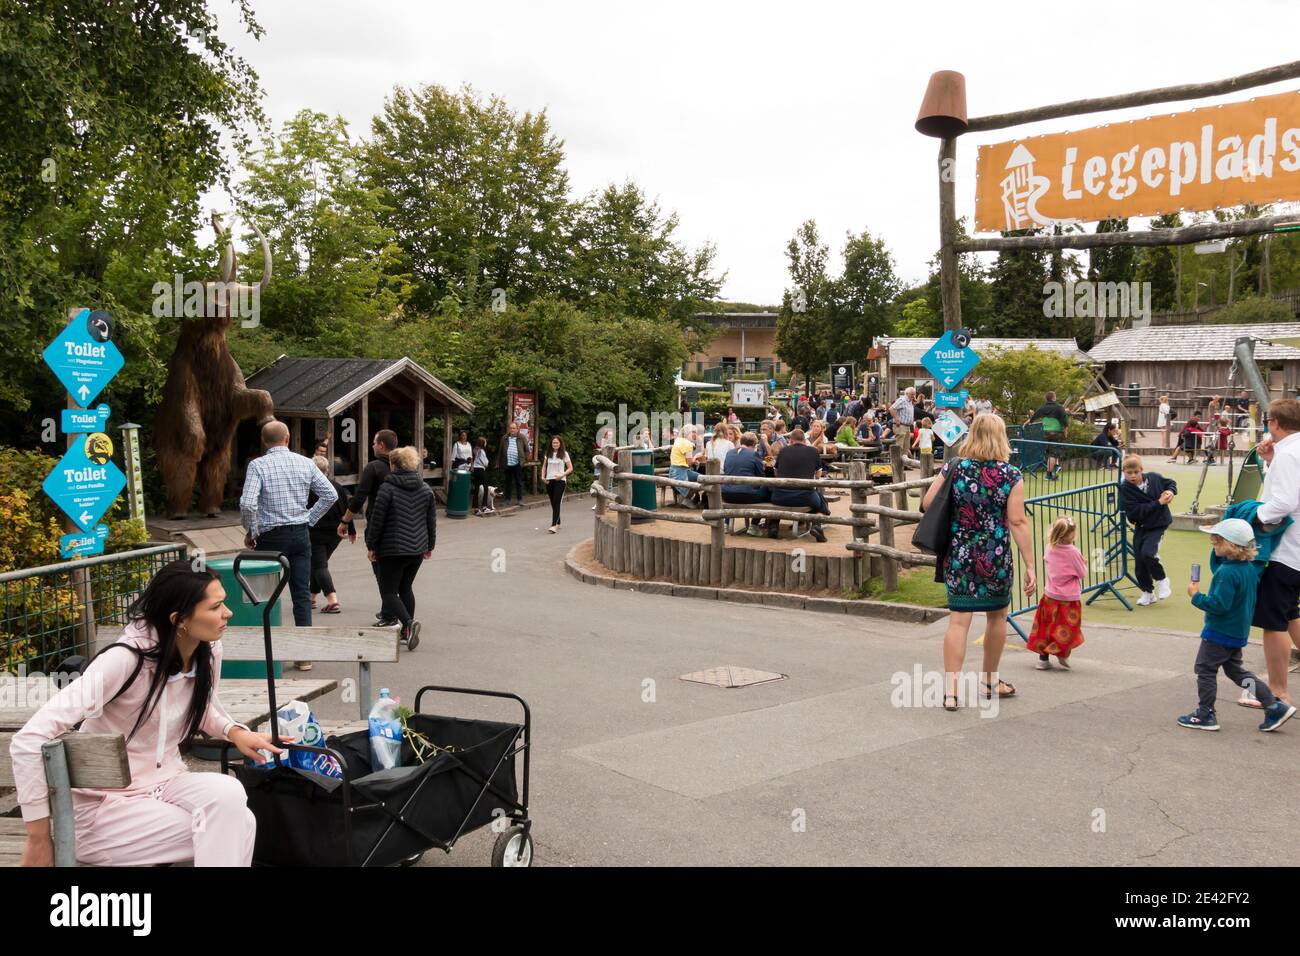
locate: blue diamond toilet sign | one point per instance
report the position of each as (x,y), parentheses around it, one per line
(86,481)
(83,356)
(948,362)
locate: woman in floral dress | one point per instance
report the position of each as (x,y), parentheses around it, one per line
(988,515)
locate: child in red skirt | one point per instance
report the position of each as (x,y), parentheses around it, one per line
(1057,622)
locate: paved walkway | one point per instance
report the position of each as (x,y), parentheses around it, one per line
(1085,767)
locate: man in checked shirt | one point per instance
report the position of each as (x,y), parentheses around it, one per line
(273,510)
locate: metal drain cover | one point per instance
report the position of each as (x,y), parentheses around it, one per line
(729,676)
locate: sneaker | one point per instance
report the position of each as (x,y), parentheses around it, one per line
(817,532)
(1146,598)
(553,528)
(382,621)
(1163,590)
(411,639)
(1044,664)
(1277,715)
(303,665)
(1195,721)
(1063,662)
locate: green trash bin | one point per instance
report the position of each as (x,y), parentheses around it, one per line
(643,492)
(458,493)
(261,577)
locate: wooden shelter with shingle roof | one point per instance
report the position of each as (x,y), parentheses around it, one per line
(1192,363)
(348,400)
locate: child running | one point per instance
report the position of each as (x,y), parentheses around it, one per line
(1145,497)
(1057,622)
(1229,607)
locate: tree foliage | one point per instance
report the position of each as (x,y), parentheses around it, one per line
(1016,380)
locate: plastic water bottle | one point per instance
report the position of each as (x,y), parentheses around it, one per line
(385,733)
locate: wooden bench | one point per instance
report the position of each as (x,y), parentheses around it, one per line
(800,529)
(75,760)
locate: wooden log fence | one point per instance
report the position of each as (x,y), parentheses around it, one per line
(653,557)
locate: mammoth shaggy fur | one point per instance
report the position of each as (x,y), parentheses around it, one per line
(205,397)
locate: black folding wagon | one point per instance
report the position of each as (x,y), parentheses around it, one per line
(457,776)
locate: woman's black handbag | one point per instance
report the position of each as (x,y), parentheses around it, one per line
(932,531)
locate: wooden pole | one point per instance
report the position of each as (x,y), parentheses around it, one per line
(1152,237)
(1167,94)
(861,562)
(718,533)
(417,426)
(890,564)
(949,276)
(81,578)
(362,435)
(623,485)
(446,446)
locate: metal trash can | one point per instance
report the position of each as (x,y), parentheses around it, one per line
(262,577)
(458,493)
(643,492)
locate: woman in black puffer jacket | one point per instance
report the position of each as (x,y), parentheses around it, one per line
(400,534)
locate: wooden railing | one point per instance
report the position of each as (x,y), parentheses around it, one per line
(864,516)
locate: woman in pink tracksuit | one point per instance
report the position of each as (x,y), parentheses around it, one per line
(157,686)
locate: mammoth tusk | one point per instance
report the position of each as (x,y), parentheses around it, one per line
(266,258)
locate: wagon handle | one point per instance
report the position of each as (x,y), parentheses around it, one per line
(283,561)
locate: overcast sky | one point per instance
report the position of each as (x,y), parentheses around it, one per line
(748,118)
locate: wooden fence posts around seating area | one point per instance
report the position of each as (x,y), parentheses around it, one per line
(687,562)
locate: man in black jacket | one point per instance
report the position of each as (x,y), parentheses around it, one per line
(1145,498)
(400,535)
(372,476)
(799,460)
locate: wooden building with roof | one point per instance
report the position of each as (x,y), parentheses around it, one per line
(1192,364)
(347,400)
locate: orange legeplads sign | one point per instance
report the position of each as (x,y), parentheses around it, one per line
(1208,158)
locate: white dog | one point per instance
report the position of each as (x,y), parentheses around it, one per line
(487,501)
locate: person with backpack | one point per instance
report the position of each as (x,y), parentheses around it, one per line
(1054,418)
(156,686)
(400,535)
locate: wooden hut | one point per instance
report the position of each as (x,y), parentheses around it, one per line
(1191,364)
(348,400)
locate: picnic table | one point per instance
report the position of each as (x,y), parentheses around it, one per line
(244,699)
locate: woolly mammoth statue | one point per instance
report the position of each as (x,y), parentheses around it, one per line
(205,397)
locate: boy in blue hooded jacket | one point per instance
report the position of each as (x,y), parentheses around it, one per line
(1229,607)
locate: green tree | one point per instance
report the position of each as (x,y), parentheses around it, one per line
(918,321)
(973,289)
(475,193)
(800,328)
(110,116)
(1159,265)
(336,266)
(625,260)
(860,298)
(1017,279)
(1016,380)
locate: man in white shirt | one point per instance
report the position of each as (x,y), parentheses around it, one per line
(1277,603)
(905,415)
